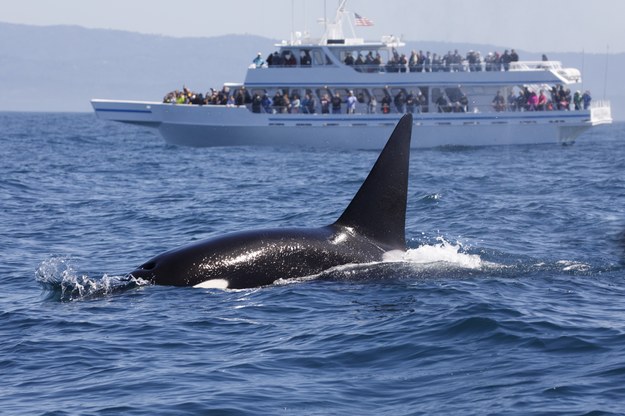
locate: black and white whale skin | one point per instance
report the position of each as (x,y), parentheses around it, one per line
(372,224)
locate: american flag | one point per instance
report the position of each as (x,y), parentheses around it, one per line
(362,21)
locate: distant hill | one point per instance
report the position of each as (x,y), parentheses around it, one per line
(60,68)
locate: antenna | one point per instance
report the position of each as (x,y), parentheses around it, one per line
(292,22)
(605,77)
(583,70)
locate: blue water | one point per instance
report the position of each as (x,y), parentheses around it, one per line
(510,301)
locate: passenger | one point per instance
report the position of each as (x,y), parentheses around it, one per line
(259,61)
(512,101)
(239,98)
(305,59)
(413,62)
(360,62)
(410,102)
(400,102)
(437,63)
(542,101)
(279,106)
(351,103)
(586,99)
(505,60)
(372,106)
(514,57)
(197,99)
(267,103)
(567,99)
(462,104)
(489,62)
(499,102)
(257,103)
(522,101)
(421,62)
(472,61)
(420,103)
(577,100)
(170,97)
(377,61)
(289,59)
(349,59)
(325,104)
(309,104)
(295,104)
(442,103)
(336,103)
(287,103)
(369,65)
(403,63)
(532,101)
(560,98)
(386,104)
(277,59)
(554,95)
(223,96)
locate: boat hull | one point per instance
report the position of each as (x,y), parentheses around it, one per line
(203,126)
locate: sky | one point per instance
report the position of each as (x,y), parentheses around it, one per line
(532,25)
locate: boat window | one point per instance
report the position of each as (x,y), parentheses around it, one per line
(288,58)
(294,92)
(304,57)
(395,91)
(320,58)
(342,91)
(454,93)
(259,91)
(362,94)
(425,102)
(323,91)
(380,93)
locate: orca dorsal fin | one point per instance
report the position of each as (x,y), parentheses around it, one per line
(378,210)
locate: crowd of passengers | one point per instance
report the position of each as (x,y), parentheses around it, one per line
(432,62)
(558,98)
(416,62)
(454,100)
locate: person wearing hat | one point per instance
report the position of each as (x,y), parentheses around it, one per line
(258,61)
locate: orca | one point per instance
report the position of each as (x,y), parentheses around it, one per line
(372,224)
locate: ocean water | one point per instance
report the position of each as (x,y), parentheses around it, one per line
(510,300)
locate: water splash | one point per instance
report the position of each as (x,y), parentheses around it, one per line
(442,253)
(58,276)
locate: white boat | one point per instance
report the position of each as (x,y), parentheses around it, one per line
(452,100)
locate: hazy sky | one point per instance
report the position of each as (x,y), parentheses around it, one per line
(532,25)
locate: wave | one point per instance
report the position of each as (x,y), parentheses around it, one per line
(59,278)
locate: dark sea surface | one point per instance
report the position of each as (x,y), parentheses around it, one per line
(510,301)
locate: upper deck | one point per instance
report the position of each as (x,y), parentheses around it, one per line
(374,64)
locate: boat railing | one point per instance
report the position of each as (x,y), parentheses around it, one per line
(570,74)
(464,66)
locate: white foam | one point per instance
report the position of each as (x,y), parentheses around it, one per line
(443,252)
(213,284)
(574,266)
(58,274)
